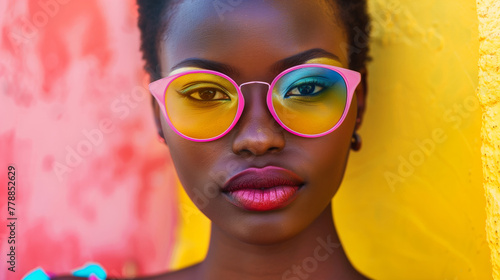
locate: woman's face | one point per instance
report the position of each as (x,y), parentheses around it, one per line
(247,40)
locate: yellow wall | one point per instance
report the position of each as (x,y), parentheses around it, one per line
(489,95)
(193,234)
(412,204)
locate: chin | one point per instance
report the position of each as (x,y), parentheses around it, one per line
(267,228)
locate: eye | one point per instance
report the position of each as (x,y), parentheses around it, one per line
(208,94)
(308,87)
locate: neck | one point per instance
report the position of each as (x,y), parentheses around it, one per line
(315,253)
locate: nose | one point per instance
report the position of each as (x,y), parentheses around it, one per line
(257,133)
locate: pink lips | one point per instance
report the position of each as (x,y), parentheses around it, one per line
(262,189)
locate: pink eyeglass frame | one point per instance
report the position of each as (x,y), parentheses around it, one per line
(351,78)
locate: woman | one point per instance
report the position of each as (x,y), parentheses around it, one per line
(259,111)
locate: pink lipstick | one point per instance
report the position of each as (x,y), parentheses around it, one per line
(262,189)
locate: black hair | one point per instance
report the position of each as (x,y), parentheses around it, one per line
(152,21)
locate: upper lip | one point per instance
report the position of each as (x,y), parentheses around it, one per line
(259,178)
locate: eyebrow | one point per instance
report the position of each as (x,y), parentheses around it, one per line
(206,64)
(279,66)
(302,58)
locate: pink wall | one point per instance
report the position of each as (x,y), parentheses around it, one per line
(92,183)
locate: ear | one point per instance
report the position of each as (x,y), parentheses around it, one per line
(361,92)
(157,115)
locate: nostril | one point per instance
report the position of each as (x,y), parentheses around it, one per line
(245,153)
(255,142)
(274,149)
(255,152)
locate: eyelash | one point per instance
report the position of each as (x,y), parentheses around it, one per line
(187,92)
(314,81)
(199,90)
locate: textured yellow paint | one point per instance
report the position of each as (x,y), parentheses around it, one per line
(412,205)
(489,96)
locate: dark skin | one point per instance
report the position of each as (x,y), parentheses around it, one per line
(256,41)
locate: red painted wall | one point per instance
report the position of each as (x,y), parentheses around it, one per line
(92,181)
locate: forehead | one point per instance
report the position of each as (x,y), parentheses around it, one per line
(250,35)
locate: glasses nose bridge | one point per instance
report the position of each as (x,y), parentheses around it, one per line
(256,82)
(257,101)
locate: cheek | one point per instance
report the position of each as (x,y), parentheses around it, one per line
(186,156)
(331,160)
(329,155)
(193,162)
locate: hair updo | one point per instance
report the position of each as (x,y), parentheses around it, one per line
(153,21)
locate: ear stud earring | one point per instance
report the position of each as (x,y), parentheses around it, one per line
(356,142)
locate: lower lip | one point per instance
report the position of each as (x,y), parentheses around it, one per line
(264,199)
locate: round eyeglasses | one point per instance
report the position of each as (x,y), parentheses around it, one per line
(308,100)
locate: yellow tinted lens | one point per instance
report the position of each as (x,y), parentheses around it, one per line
(310,100)
(201,105)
